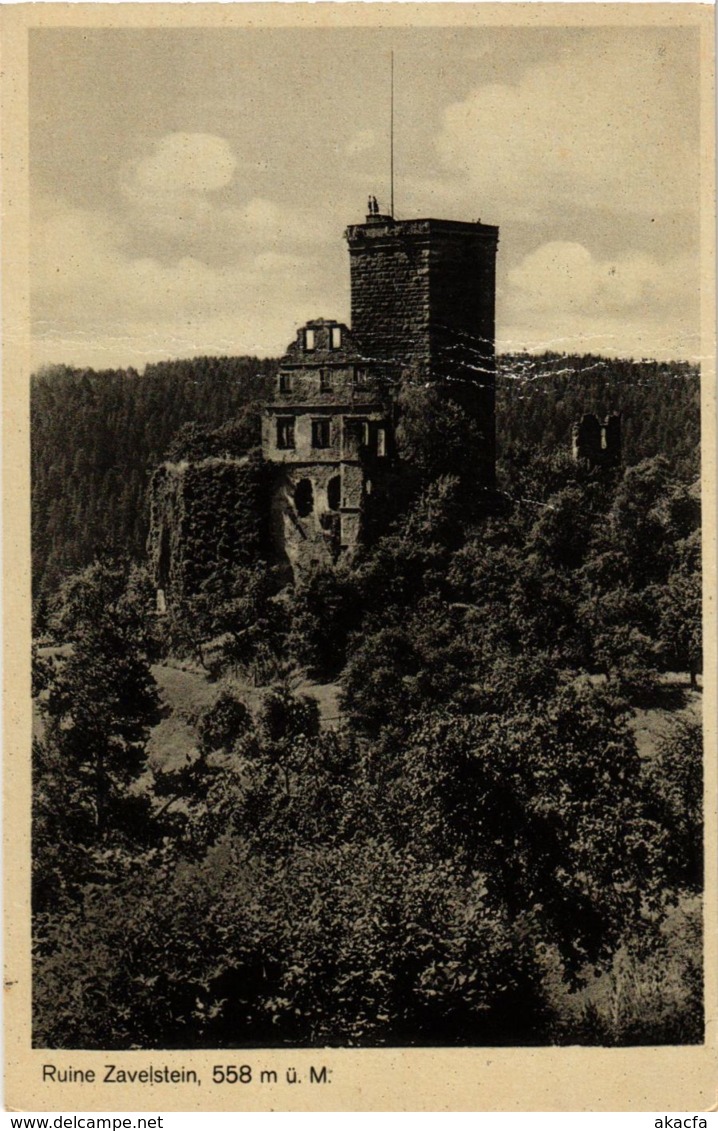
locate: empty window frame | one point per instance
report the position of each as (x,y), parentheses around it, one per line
(361,378)
(285,382)
(356,436)
(304,498)
(325,381)
(321,433)
(285,432)
(381,440)
(334,493)
(309,340)
(335,338)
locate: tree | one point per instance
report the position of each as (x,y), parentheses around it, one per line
(422,657)
(562,531)
(224,723)
(325,608)
(111,600)
(546,802)
(680,606)
(188,626)
(618,625)
(336,944)
(96,436)
(284,717)
(674,780)
(42,671)
(100,705)
(435,436)
(413,558)
(634,525)
(248,619)
(234,438)
(202,794)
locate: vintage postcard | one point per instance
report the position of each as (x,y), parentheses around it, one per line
(360,563)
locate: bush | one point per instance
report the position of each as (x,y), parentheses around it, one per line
(223,724)
(653,998)
(325,608)
(674,785)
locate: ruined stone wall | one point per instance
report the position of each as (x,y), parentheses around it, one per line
(322,511)
(347,433)
(205,518)
(319,495)
(598,441)
(305,528)
(302,449)
(329,385)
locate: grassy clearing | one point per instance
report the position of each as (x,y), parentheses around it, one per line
(674,697)
(186,690)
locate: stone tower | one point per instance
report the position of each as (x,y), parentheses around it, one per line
(423,298)
(422,301)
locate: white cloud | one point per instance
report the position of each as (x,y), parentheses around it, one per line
(562,297)
(178,263)
(186,162)
(556,135)
(172,189)
(560,276)
(94,299)
(95,302)
(275,224)
(181,198)
(72,250)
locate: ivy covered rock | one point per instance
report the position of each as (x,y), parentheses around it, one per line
(206,518)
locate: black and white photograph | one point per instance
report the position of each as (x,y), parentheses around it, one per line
(365,460)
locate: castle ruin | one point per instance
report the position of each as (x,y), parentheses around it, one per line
(597,442)
(423,314)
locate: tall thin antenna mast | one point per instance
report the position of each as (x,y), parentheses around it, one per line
(391,137)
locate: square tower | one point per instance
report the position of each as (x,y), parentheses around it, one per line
(423,293)
(423,296)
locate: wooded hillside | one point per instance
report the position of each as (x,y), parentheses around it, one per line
(470,847)
(538,399)
(97,436)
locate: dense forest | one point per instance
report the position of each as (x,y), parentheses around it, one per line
(539,398)
(97,436)
(469,847)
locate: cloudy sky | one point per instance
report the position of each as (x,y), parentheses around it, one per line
(190,188)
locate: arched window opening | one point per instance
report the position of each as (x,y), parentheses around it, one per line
(304,498)
(334,493)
